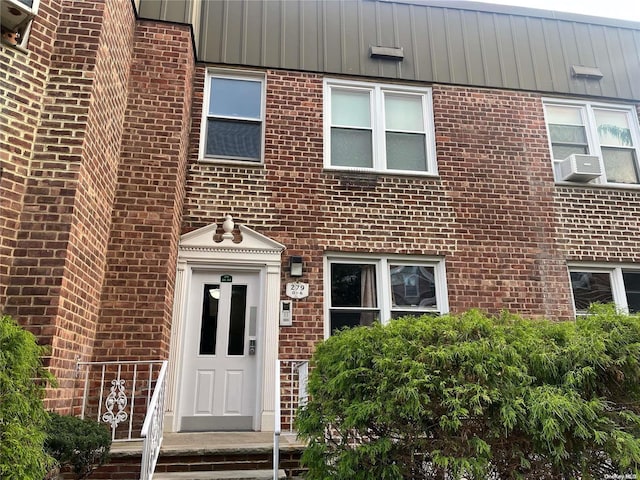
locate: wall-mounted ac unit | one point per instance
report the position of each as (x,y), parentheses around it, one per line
(580,168)
(17,14)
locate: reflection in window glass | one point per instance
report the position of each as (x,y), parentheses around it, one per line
(413,288)
(353,295)
(632,289)
(235,98)
(590,287)
(238,319)
(209,321)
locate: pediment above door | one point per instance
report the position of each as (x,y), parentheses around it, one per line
(201,243)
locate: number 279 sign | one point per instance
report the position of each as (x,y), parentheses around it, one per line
(297,290)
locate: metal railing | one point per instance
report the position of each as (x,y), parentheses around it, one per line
(293,383)
(119,393)
(153,427)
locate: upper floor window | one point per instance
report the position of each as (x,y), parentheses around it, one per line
(373,127)
(16,17)
(233,117)
(367,289)
(593,141)
(602,284)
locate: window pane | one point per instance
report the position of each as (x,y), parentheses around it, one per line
(235,98)
(412,286)
(233,138)
(613,128)
(566,115)
(590,288)
(350,108)
(340,320)
(567,134)
(560,152)
(351,148)
(353,285)
(620,165)
(237,320)
(632,288)
(209,321)
(403,112)
(406,151)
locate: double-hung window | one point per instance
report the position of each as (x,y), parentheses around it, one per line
(609,133)
(602,284)
(363,290)
(374,127)
(233,117)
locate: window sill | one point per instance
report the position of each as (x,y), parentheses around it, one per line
(231,162)
(609,186)
(370,173)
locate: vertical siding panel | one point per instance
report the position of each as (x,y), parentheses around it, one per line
(254,24)
(369,30)
(406,37)
(627,83)
(212,21)
(271,50)
(455,46)
(351,54)
(291,35)
(522,49)
(602,59)
(539,55)
(490,56)
(586,56)
(233,32)
(332,36)
(506,51)
(635,67)
(555,52)
(439,47)
(572,57)
(423,47)
(385,37)
(473,51)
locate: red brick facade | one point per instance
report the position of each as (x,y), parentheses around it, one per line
(101,175)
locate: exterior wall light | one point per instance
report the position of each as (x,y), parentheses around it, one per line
(295,266)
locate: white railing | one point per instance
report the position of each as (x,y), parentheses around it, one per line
(153,427)
(119,393)
(293,381)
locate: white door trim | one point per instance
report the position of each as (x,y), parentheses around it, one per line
(254,252)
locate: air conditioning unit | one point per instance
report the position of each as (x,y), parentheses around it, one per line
(580,168)
(16,15)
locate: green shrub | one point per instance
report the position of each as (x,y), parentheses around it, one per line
(475,397)
(81,445)
(22,414)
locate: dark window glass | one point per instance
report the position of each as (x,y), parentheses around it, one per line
(209,322)
(413,287)
(353,295)
(237,321)
(590,287)
(234,138)
(632,289)
(235,98)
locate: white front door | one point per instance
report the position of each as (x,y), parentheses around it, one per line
(219,374)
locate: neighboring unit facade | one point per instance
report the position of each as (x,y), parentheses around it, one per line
(224,183)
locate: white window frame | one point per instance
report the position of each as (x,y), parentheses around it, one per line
(594,147)
(377,91)
(232,75)
(31,12)
(618,290)
(383,286)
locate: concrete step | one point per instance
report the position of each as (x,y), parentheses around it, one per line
(228,475)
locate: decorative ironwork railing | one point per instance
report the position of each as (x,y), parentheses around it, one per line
(291,393)
(119,393)
(153,427)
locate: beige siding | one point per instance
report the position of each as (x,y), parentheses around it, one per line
(443,42)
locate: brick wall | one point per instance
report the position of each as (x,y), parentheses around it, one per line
(23,76)
(59,259)
(494,212)
(135,317)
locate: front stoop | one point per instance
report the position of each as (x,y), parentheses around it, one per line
(208,456)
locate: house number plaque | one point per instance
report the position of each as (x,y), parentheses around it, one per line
(297,290)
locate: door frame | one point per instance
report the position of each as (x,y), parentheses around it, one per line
(254,253)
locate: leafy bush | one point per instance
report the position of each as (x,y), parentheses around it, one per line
(22,414)
(475,397)
(81,445)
